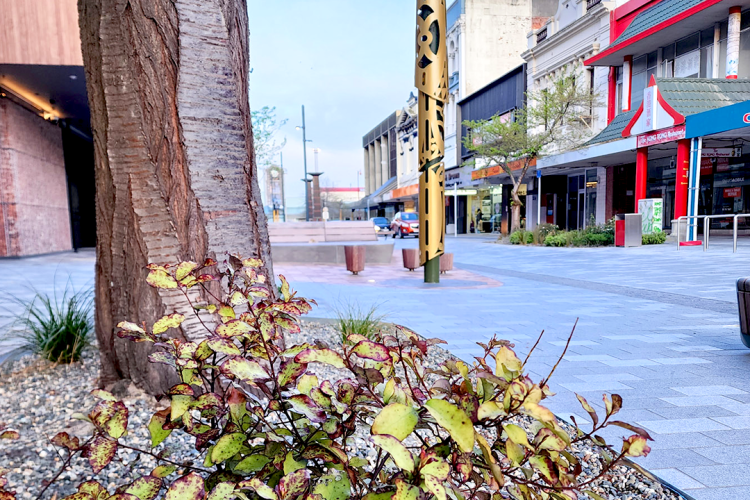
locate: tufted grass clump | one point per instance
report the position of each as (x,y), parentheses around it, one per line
(353,319)
(57,328)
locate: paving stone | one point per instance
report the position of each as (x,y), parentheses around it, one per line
(726,454)
(684,425)
(734,422)
(739,493)
(677,479)
(699,401)
(718,476)
(693,412)
(709,390)
(734,437)
(663,459)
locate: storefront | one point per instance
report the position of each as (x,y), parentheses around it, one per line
(689,156)
(457,180)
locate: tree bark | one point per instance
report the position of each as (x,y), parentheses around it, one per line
(515,209)
(176,177)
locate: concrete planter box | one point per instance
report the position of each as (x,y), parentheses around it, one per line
(411,258)
(446,263)
(355,258)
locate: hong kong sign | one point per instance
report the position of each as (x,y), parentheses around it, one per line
(661,136)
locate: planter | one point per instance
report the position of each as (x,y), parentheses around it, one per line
(411,258)
(355,258)
(446,262)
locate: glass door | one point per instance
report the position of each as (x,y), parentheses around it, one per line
(576,201)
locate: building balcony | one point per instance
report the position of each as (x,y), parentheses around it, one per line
(592,3)
(542,34)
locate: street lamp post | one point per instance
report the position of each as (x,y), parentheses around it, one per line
(304,152)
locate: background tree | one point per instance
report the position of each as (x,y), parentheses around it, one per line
(265,127)
(176,175)
(553,119)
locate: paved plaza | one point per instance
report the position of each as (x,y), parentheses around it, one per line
(657,326)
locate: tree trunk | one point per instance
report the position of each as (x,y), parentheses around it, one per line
(175,170)
(515,210)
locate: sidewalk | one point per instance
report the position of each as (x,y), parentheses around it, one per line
(656,325)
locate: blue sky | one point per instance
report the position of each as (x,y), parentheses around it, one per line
(349,62)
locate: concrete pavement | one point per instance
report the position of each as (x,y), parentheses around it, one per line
(657,326)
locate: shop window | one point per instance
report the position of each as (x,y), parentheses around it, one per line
(707,61)
(688,65)
(668,52)
(744,63)
(687,44)
(618,79)
(643,67)
(707,37)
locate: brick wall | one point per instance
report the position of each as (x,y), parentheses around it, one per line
(34,215)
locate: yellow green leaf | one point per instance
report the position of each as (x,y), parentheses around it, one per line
(184,268)
(253,463)
(489,410)
(514,452)
(545,467)
(226,313)
(145,487)
(159,278)
(130,327)
(435,486)
(222,491)
(158,434)
(100,453)
(237,299)
(333,487)
(188,487)
(405,491)
(291,465)
(507,358)
(180,404)
(438,468)
(517,435)
(227,446)
(306,382)
(400,454)
(395,419)
(371,350)
(167,322)
(244,369)
(163,470)
(233,328)
(454,420)
(326,356)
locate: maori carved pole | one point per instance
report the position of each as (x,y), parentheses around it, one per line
(432,84)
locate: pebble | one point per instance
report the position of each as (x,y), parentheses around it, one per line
(38,399)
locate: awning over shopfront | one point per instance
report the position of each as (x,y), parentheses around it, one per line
(662,24)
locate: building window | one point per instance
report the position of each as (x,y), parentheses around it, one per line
(643,68)
(618,79)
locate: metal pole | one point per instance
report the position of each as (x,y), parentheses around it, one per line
(734,235)
(539,198)
(283,198)
(304,150)
(455,210)
(431,80)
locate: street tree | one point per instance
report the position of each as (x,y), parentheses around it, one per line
(176,176)
(265,127)
(553,119)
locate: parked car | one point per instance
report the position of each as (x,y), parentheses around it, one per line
(405,224)
(381,224)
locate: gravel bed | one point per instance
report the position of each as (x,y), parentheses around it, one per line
(39,399)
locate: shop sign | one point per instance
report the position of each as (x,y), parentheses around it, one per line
(523,189)
(460,192)
(722,164)
(457,177)
(661,136)
(732,152)
(486,172)
(652,215)
(411,190)
(733,192)
(707,166)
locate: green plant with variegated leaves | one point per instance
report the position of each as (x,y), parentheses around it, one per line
(266,426)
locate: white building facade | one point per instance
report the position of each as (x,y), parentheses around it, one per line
(578,30)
